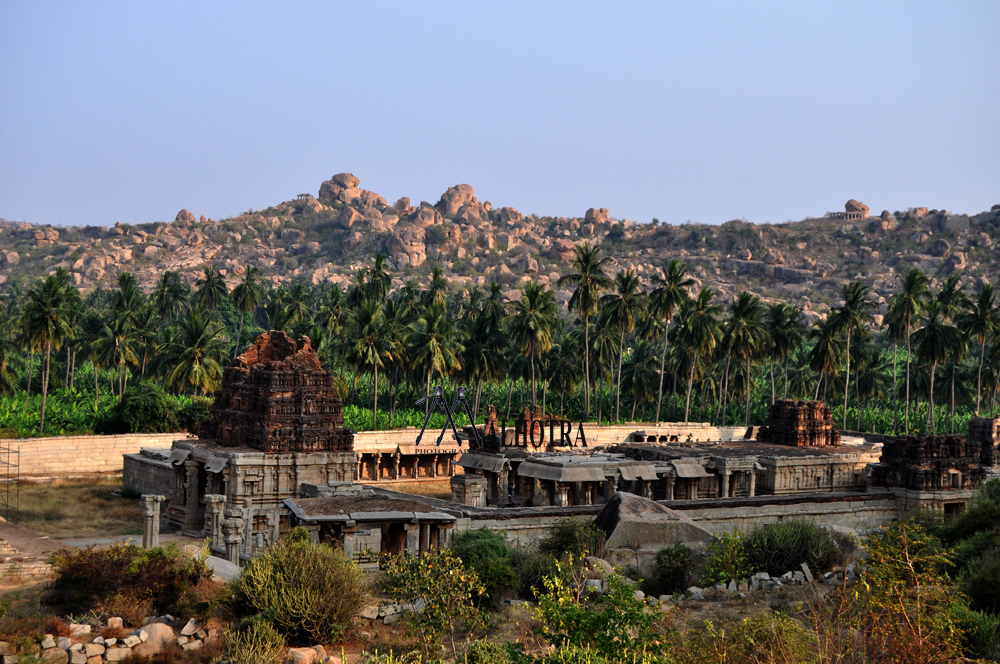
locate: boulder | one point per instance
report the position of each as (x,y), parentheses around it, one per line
(348,217)
(773,257)
(329,191)
(744,254)
(630,520)
(454,198)
(12,258)
(597,215)
(856,206)
(886,215)
(185,217)
(159,637)
(292,236)
(919,211)
(312,206)
(940,247)
(527,264)
(345,180)
(301,656)
(308,249)
(403,205)
(509,214)
(956,263)
(425,216)
(349,195)
(562,251)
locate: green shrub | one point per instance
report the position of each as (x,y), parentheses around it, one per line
(971,548)
(763,638)
(442,586)
(531,568)
(487,552)
(977,517)
(577,537)
(981,581)
(494,652)
(195,413)
(980,633)
(671,570)
(253,641)
(123,575)
(144,408)
(726,559)
(311,592)
(779,547)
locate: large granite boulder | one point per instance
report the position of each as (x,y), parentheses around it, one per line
(632,521)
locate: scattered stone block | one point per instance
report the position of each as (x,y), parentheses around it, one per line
(595,585)
(320,653)
(158,637)
(732,586)
(182,640)
(300,656)
(132,641)
(77,657)
(190,628)
(392,619)
(94,649)
(96,659)
(754,583)
(116,623)
(332,659)
(110,642)
(118,654)
(76,647)
(639,595)
(6,648)
(55,656)
(370,612)
(807,573)
(799,577)
(99,640)
(79,630)
(48,642)
(10,659)
(696,592)
(192,645)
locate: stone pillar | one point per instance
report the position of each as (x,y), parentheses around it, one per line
(451,465)
(151,520)
(357,474)
(434,466)
(395,465)
(425,537)
(446,533)
(350,533)
(416,466)
(753,482)
(191,494)
(215,504)
(670,487)
(724,484)
(231,529)
(412,538)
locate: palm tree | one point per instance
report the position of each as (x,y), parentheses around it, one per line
(10,363)
(670,292)
(437,290)
(853,317)
(210,289)
(640,374)
(373,343)
(906,308)
(436,344)
(590,279)
(981,322)
(45,318)
(129,298)
(116,348)
(197,354)
(747,336)
(624,305)
(786,332)
(532,320)
(246,296)
(169,295)
(825,354)
(698,332)
(934,341)
(379,280)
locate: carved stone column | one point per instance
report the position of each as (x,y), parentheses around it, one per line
(151,520)
(753,482)
(231,529)
(214,506)
(724,484)
(412,538)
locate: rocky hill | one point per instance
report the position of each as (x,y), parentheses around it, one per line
(326,238)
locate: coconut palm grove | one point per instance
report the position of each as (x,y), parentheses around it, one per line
(624,348)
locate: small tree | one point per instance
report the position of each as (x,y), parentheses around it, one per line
(440,590)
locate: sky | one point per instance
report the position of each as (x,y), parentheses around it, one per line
(682,111)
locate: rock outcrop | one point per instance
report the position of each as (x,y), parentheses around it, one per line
(856,206)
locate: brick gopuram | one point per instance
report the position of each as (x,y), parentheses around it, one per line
(799,424)
(276,425)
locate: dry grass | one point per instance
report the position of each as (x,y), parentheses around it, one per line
(70,509)
(437,489)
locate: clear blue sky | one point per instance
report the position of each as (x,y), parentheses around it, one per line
(690,110)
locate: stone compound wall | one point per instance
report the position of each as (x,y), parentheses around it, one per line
(68,456)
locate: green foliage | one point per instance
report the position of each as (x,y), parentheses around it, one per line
(93,579)
(671,570)
(531,568)
(487,552)
(493,652)
(778,547)
(981,580)
(611,623)
(726,559)
(252,641)
(144,408)
(194,413)
(577,537)
(311,592)
(436,235)
(980,633)
(444,589)
(762,638)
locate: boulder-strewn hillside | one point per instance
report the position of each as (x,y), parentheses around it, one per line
(326,238)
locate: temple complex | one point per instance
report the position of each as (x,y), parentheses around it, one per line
(799,424)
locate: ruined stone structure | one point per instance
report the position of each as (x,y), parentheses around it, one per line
(799,424)
(277,398)
(276,424)
(986,432)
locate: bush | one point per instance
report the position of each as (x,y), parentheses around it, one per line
(493,652)
(253,641)
(763,638)
(488,554)
(121,575)
(195,413)
(726,559)
(311,592)
(779,547)
(576,537)
(144,408)
(978,516)
(531,569)
(981,581)
(671,570)
(443,586)
(980,633)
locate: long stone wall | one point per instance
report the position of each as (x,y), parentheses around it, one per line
(68,456)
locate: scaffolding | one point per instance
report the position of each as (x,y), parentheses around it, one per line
(10,474)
